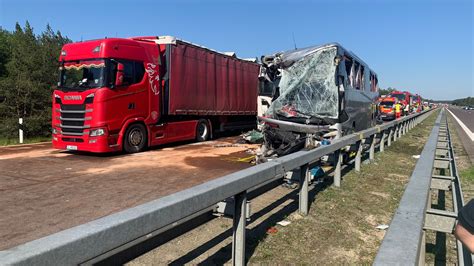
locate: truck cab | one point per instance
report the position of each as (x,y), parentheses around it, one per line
(101,90)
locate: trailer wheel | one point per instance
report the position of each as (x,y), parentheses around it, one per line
(135,138)
(203,130)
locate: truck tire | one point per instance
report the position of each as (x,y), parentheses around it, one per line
(135,139)
(203,131)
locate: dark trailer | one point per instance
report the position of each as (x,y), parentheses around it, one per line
(319,92)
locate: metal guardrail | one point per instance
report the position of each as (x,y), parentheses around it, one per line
(405,241)
(101,238)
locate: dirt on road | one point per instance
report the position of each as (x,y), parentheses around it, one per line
(43,191)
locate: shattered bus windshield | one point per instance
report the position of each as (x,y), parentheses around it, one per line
(308,88)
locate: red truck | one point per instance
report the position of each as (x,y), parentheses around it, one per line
(119,94)
(405,100)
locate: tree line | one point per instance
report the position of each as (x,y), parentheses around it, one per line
(28,75)
(469,101)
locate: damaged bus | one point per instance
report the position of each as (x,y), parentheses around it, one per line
(318,93)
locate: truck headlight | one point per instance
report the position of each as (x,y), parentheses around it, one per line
(55,131)
(97,132)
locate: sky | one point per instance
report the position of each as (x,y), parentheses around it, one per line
(422,46)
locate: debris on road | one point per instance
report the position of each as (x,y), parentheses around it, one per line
(284,223)
(317,172)
(382,227)
(416,156)
(253,137)
(248,159)
(272,230)
(227,145)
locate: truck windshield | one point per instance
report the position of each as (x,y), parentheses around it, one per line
(400,97)
(387,104)
(82,75)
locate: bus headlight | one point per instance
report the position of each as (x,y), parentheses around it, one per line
(97,132)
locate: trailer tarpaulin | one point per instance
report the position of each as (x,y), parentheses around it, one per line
(208,83)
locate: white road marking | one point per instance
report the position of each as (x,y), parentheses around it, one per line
(463,126)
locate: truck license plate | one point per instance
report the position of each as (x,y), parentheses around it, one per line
(71,148)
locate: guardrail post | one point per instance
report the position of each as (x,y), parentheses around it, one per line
(337,170)
(358,157)
(395,133)
(390,136)
(238,241)
(422,255)
(304,180)
(372,147)
(382,141)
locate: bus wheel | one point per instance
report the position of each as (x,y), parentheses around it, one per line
(135,138)
(202,130)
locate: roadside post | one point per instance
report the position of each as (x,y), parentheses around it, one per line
(20,130)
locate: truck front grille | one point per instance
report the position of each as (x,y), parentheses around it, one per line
(72,119)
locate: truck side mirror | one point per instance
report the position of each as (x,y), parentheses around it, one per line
(119,75)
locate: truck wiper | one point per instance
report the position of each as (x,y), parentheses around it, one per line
(84,85)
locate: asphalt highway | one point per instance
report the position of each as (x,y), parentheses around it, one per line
(465,128)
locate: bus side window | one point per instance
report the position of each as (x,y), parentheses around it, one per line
(355,75)
(358,76)
(373,83)
(364,79)
(348,65)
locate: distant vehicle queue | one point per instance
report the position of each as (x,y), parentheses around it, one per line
(400,103)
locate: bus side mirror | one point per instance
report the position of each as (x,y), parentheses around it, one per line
(119,75)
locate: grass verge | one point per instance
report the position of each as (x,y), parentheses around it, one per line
(341,225)
(468,175)
(7,141)
(465,168)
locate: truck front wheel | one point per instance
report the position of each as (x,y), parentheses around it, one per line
(135,138)
(203,130)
